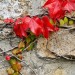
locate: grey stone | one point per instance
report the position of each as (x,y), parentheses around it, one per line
(32,62)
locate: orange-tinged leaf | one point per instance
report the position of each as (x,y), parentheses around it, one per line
(19,66)
(20,56)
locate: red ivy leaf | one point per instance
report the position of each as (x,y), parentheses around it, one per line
(8,20)
(19,30)
(46,32)
(26,21)
(20,27)
(57,8)
(47,23)
(34,26)
(69,5)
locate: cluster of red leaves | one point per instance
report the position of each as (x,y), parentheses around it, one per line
(35,24)
(58,8)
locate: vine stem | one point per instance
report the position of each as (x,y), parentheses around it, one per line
(24,49)
(17,57)
(23,62)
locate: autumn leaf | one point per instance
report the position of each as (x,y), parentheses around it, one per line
(20,31)
(21,44)
(35,27)
(69,5)
(8,20)
(20,28)
(58,8)
(38,26)
(47,23)
(54,9)
(43,26)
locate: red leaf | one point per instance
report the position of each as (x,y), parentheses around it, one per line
(43,29)
(48,2)
(55,9)
(46,32)
(56,28)
(69,5)
(47,23)
(26,21)
(34,26)
(8,20)
(20,27)
(19,30)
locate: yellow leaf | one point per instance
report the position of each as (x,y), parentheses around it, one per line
(16,51)
(10,71)
(21,44)
(16,73)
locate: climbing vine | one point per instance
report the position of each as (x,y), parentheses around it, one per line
(29,28)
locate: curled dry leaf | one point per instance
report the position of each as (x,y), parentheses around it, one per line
(16,51)
(20,56)
(10,71)
(21,44)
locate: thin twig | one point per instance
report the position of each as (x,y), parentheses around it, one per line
(24,49)
(17,57)
(24,63)
(30,44)
(3,67)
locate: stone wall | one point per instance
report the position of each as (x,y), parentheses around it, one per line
(15,8)
(40,61)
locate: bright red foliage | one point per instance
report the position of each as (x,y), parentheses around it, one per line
(35,24)
(69,5)
(8,20)
(58,8)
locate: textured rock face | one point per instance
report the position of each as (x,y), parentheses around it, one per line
(61,43)
(38,61)
(15,8)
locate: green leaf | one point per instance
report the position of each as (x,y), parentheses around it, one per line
(31,47)
(28,40)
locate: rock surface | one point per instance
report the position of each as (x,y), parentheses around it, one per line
(35,62)
(60,44)
(16,8)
